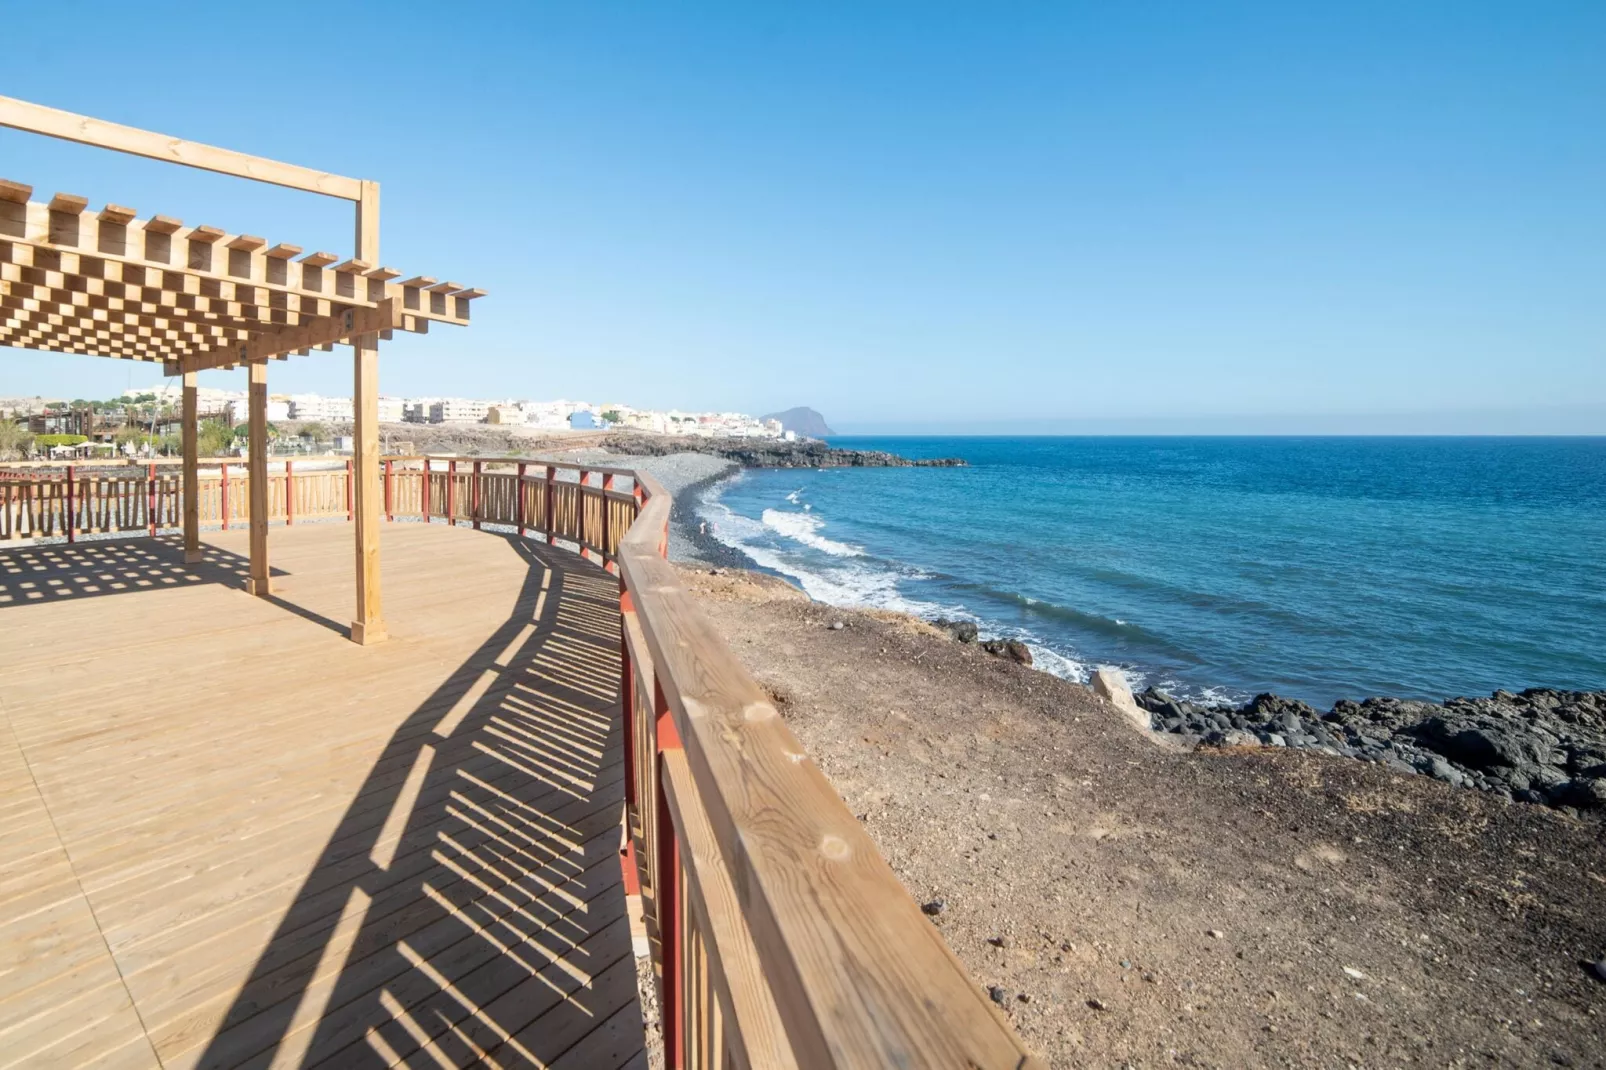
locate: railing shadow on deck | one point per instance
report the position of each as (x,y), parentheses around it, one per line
(469,907)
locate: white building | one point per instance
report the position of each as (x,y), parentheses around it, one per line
(458,411)
(238,412)
(317,407)
(391,410)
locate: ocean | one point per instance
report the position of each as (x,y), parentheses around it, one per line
(1218,568)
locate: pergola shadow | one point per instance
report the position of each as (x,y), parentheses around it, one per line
(97,568)
(469,906)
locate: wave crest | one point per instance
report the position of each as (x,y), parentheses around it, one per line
(805,528)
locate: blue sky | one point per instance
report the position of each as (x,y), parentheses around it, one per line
(910,216)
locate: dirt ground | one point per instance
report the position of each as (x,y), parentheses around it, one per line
(1141,907)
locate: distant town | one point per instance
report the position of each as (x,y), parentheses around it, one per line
(145,420)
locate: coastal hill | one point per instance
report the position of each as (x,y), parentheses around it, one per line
(801,421)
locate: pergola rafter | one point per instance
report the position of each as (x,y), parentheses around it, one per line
(108,283)
(155,290)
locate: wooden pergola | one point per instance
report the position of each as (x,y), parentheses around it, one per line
(109,283)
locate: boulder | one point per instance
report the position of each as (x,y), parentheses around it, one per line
(962,630)
(1480,746)
(1586,793)
(1110,684)
(1013,649)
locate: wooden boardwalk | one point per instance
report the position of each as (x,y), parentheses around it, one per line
(229,837)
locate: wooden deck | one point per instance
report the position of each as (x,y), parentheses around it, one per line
(229,837)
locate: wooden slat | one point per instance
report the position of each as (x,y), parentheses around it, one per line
(223,844)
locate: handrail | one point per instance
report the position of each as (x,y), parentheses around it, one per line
(785,938)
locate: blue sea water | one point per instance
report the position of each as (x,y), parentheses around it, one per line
(1319,568)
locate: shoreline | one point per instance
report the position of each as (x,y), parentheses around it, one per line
(1542,745)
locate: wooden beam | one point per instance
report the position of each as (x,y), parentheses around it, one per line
(192,483)
(52,122)
(325,330)
(260,582)
(369,625)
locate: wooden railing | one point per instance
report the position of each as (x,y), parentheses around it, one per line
(784,939)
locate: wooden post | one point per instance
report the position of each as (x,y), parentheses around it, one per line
(518,505)
(71,512)
(390,502)
(580,514)
(424,492)
(289,493)
(551,522)
(607,547)
(348,488)
(451,493)
(475,504)
(190,434)
(257,479)
(666,892)
(150,497)
(627,700)
(369,627)
(223,493)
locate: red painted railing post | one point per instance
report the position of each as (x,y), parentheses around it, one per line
(475,498)
(150,497)
(551,523)
(627,698)
(666,892)
(580,514)
(607,525)
(223,490)
(71,513)
(425,492)
(289,494)
(518,508)
(451,493)
(348,487)
(390,505)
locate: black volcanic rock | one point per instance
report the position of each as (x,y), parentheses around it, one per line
(801,421)
(1540,746)
(769,452)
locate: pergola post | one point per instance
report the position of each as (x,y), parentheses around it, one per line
(192,480)
(257,476)
(369,625)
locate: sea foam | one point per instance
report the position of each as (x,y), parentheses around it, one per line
(805,528)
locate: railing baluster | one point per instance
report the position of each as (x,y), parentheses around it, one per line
(551,526)
(289,494)
(71,514)
(476,494)
(518,508)
(667,896)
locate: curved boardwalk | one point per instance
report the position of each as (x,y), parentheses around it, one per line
(229,837)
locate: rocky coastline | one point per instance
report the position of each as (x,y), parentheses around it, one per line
(769,453)
(1539,746)
(1542,745)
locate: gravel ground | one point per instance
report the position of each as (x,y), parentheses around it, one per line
(1138,906)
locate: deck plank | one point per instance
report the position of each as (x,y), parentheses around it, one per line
(229,837)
